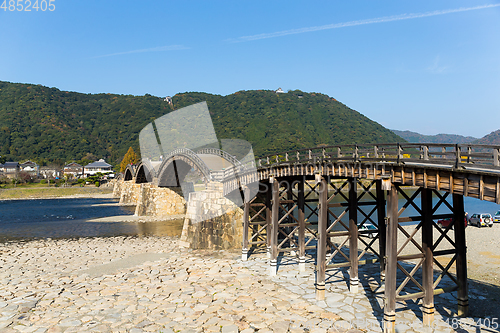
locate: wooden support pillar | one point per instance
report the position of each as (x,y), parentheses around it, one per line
(353,235)
(302,225)
(391,261)
(428,268)
(290,204)
(321,247)
(246,222)
(273,269)
(381,228)
(461,263)
(269,196)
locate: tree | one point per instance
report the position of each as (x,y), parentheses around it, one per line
(25,177)
(129,158)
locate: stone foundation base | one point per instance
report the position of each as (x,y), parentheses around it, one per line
(218,233)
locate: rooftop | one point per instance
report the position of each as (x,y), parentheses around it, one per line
(98,164)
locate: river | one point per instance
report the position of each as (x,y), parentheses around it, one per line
(67,218)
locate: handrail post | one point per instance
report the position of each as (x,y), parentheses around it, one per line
(310,154)
(298,156)
(458,158)
(286,157)
(339,154)
(495,157)
(426,152)
(246,222)
(399,153)
(375,151)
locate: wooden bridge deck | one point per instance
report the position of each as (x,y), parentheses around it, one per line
(468,170)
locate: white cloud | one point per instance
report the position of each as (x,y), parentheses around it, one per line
(437,67)
(153,49)
(355,23)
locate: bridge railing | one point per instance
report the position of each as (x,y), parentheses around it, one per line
(458,156)
(219,152)
(232,172)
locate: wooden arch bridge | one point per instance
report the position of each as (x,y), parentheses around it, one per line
(345,207)
(210,163)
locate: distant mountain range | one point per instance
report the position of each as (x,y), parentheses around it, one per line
(492,139)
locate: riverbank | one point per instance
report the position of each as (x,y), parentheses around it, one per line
(55,192)
(149,284)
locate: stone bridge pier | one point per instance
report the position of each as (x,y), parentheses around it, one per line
(211,221)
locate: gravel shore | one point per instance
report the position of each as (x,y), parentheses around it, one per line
(148,284)
(138,285)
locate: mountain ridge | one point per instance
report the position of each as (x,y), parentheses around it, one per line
(490,139)
(414,137)
(50,125)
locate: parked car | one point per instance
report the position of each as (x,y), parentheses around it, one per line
(480,220)
(496,217)
(368,230)
(444,223)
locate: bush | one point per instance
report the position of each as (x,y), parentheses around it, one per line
(43,181)
(80,181)
(97,184)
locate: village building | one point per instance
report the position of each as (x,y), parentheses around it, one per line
(280,91)
(53,172)
(11,169)
(98,166)
(31,168)
(73,170)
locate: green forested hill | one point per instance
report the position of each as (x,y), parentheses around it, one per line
(42,123)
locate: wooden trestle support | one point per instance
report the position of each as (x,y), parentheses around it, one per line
(325,217)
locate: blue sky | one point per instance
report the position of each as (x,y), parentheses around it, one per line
(426,66)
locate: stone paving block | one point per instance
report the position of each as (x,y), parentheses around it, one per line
(230,329)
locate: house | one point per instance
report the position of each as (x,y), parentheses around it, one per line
(95,167)
(50,172)
(73,170)
(11,169)
(31,168)
(280,91)
(168,99)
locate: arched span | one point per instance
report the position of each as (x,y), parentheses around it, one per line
(179,163)
(129,173)
(221,153)
(144,173)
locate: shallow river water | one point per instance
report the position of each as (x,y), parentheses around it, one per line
(67,218)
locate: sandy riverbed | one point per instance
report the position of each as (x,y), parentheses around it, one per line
(23,193)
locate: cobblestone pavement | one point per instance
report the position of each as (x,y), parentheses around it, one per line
(148,284)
